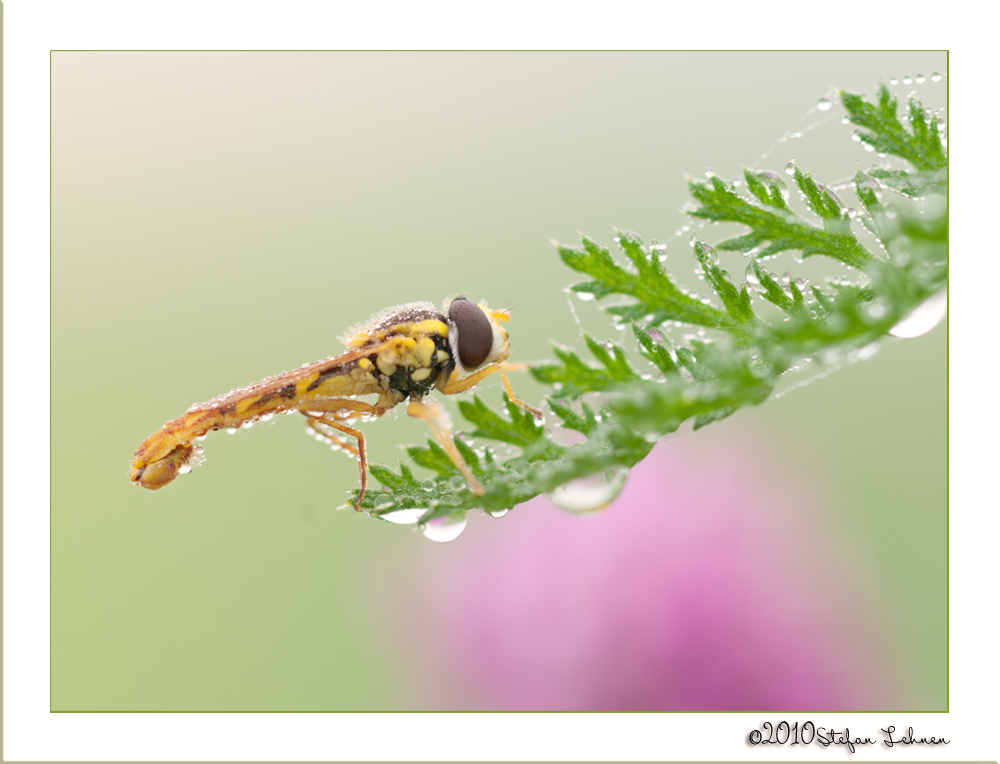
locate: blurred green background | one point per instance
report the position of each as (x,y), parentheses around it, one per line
(220,217)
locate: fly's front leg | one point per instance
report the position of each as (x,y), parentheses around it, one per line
(459,385)
(329,412)
(437,421)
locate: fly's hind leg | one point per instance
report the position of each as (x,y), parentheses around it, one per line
(329,412)
(437,421)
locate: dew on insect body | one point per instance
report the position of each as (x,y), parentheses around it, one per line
(590,494)
(923,319)
(498,512)
(445,529)
(409,516)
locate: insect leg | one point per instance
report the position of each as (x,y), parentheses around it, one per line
(437,422)
(314,422)
(453,385)
(337,409)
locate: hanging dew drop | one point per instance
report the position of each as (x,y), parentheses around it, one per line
(409,516)
(590,494)
(445,529)
(923,319)
(824,104)
(584,296)
(498,512)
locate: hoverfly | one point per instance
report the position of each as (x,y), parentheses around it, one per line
(404,352)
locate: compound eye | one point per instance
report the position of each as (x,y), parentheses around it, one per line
(475,334)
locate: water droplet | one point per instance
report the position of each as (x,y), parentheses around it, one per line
(444,529)
(867,351)
(935,77)
(824,190)
(907,80)
(790,168)
(920,79)
(877,310)
(405,516)
(248,425)
(590,494)
(385,501)
(923,319)
(457,483)
(232,430)
(585,296)
(498,513)
(824,104)
(893,81)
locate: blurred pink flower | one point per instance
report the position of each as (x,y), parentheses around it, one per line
(709,585)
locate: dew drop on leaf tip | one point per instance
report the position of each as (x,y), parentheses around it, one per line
(923,319)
